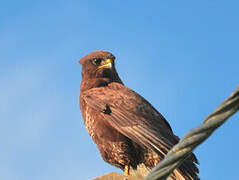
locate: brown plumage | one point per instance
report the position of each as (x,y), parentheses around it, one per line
(127,129)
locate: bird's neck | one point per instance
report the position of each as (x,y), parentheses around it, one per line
(94,83)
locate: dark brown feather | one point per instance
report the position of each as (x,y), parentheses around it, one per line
(127,129)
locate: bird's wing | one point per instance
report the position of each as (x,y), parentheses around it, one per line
(131,115)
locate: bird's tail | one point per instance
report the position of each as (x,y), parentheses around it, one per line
(186,171)
(140,172)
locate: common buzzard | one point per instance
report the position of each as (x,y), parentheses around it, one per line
(129,132)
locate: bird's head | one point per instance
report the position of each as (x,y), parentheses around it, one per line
(98,69)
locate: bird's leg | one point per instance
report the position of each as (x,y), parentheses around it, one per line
(126,170)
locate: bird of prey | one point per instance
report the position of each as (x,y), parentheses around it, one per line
(129,132)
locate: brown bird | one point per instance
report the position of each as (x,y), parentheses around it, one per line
(129,132)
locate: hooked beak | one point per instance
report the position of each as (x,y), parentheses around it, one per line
(106,64)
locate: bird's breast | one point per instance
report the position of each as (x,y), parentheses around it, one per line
(98,127)
(89,122)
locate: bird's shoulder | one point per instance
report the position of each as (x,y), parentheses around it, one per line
(121,98)
(114,92)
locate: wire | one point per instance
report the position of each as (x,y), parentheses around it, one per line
(195,137)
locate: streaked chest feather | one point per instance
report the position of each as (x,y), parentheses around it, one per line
(89,122)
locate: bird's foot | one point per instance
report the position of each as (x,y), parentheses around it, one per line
(126,170)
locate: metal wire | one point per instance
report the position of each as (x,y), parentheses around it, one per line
(195,137)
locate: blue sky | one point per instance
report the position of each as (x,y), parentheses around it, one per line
(182,56)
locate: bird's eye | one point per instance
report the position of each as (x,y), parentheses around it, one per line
(97,61)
